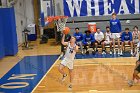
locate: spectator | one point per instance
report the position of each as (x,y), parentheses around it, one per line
(126,38)
(79,38)
(115,28)
(108,38)
(136,36)
(88,41)
(99,40)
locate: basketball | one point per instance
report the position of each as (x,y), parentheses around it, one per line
(66,30)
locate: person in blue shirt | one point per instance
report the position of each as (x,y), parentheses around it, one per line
(115,28)
(126,38)
(79,37)
(88,41)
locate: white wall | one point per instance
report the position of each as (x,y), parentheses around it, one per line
(23,12)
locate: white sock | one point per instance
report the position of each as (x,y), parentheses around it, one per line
(119,50)
(131,51)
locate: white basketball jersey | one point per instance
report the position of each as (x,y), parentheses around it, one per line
(138,50)
(136,34)
(70,52)
(108,36)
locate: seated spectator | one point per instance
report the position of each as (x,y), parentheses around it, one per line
(126,38)
(88,41)
(79,38)
(99,40)
(136,35)
(108,38)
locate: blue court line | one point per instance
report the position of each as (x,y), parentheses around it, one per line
(26,74)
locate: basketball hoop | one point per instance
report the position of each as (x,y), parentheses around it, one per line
(60,22)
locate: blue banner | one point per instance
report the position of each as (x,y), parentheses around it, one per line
(100,7)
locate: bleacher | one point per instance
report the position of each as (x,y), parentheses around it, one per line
(102,22)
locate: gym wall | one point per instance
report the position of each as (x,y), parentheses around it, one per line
(24,13)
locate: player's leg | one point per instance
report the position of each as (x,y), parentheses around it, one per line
(135,74)
(122,47)
(103,47)
(61,69)
(136,71)
(81,46)
(85,47)
(110,43)
(135,41)
(113,40)
(118,40)
(71,77)
(117,35)
(93,46)
(96,46)
(70,67)
(131,44)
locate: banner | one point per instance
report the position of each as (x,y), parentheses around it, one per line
(100,7)
(46,11)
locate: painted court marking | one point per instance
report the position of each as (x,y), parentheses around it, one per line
(46,73)
(26,74)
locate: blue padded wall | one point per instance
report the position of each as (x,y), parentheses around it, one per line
(9,31)
(2,53)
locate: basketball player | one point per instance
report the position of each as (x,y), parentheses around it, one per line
(115,28)
(108,38)
(126,38)
(68,60)
(137,67)
(79,38)
(136,36)
(88,41)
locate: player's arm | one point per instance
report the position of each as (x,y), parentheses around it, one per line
(139,36)
(120,27)
(103,36)
(122,37)
(63,42)
(134,54)
(76,48)
(84,40)
(133,36)
(137,49)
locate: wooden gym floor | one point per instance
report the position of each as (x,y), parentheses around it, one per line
(100,75)
(109,75)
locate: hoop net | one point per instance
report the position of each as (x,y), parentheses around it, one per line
(60,22)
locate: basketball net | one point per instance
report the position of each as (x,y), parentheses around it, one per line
(60,22)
